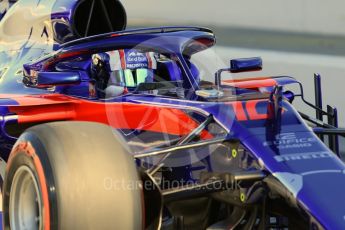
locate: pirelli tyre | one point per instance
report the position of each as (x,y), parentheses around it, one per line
(71,175)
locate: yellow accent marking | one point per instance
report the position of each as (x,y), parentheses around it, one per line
(242,197)
(234,153)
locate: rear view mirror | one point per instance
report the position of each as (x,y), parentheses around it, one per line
(49,79)
(238,66)
(245,64)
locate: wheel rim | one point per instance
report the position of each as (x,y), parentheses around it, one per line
(25,206)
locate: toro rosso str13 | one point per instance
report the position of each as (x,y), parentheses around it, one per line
(105,128)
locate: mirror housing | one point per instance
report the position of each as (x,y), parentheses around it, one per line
(49,79)
(245,64)
(240,65)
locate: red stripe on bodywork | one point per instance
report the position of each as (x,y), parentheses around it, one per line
(251,83)
(45,99)
(54,107)
(239,110)
(252,111)
(43,113)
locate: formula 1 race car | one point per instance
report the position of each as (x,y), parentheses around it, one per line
(105,128)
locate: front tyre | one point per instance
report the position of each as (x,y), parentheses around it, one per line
(71,175)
